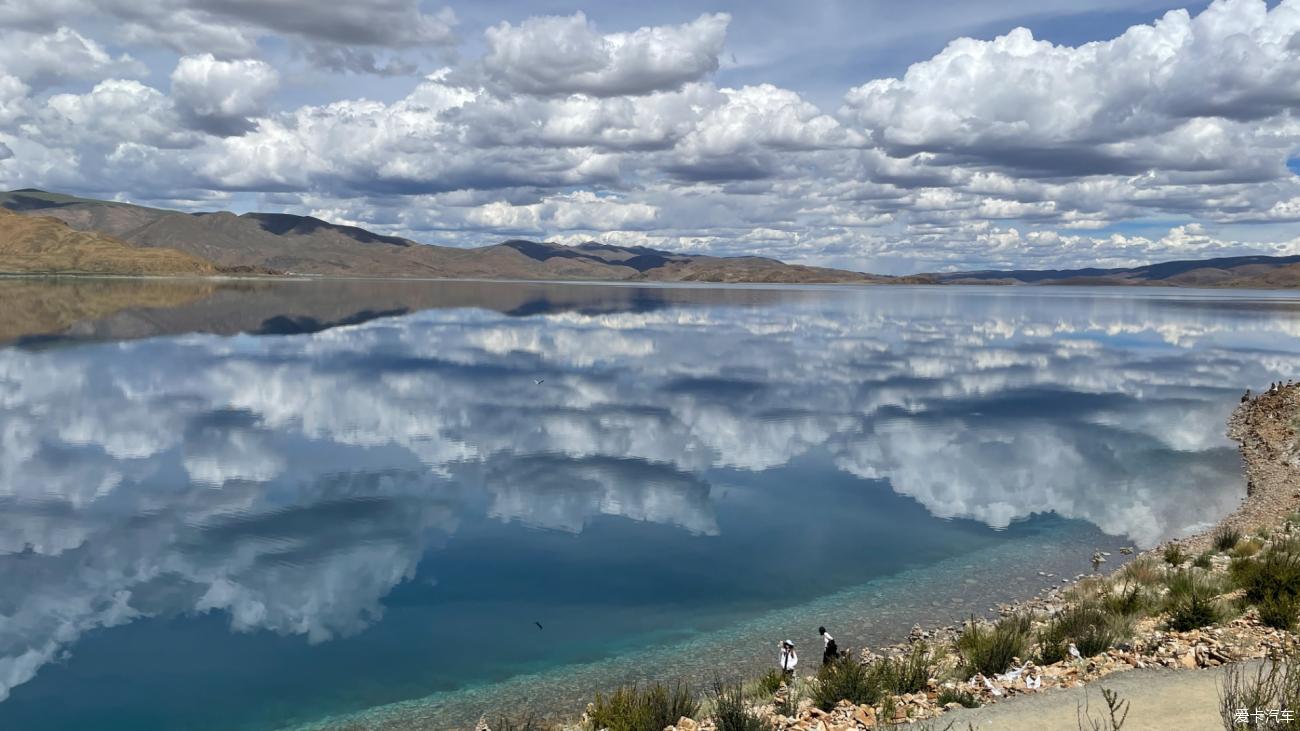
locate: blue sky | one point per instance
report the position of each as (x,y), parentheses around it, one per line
(876,135)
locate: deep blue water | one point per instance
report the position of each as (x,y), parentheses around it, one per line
(360,525)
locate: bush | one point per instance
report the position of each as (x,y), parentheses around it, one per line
(1088,626)
(1279,612)
(845,679)
(1130,601)
(1174,554)
(1193,610)
(1143,571)
(1271,582)
(907,674)
(631,708)
(953,695)
(1226,538)
(992,649)
(1203,561)
(731,712)
(1246,548)
(769,681)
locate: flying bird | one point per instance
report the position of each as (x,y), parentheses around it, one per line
(539,381)
(539,625)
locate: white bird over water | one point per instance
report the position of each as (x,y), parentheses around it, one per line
(539,381)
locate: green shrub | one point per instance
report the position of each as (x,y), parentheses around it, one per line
(631,708)
(908,674)
(1088,626)
(1226,538)
(1203,560)
(769,681)
(731,712)
(1274,573)
(992,649)
(845,679)
(1130,601)
(953,695)
(1279,612)
(1194,605)
(1174,554)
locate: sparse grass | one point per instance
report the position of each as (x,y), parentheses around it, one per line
(1226,538)
(991,649)
(1174,554)
(1112,719)
(1264,533)
(953,695)
(845,679)
(1274,685)
(633,708)
(1089,626)
(908,674)
(796,691)
(1144,571)
(1203,561)
(1130,599)
(731,712)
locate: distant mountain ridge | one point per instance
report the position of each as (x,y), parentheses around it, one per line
(309,246)
(1232,271)
(304,245)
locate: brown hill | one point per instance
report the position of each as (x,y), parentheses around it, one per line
(307,245)
(40,244)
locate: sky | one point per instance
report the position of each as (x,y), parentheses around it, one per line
(873,135)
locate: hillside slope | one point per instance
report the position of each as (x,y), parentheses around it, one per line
(307,245)
(40,244)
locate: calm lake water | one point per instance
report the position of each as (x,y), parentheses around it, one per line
(350,505)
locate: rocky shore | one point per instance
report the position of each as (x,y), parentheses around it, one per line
(1143,595)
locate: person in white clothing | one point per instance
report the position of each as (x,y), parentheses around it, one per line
(831,650)
(789,658)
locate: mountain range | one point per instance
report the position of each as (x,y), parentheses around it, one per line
(56,233)
(303,245)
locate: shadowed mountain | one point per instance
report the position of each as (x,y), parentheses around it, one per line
(305,245)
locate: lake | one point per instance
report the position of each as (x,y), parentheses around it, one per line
(390,505)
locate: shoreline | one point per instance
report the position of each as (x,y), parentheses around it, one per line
(1265,428)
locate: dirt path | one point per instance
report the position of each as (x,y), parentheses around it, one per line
(1160,700)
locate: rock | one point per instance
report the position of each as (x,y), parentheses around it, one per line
(482,724)
(687,724)
(865,716)
(1187,660)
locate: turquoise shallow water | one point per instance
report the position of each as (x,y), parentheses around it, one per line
(238,515)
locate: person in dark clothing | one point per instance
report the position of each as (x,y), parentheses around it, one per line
(831,651)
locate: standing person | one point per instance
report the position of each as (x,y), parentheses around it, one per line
(831,651)
(789,658)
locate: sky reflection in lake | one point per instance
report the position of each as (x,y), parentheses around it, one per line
(314,523)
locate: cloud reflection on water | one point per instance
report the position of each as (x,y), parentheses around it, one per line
(292,482)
